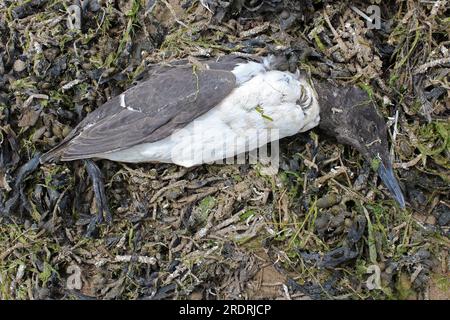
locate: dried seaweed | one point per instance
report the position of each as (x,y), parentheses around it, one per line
(213,231)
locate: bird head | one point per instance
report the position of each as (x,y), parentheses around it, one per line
(348,114)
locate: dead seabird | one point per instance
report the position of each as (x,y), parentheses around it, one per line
(191,112)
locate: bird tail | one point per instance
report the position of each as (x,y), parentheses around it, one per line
(58,152)
(54,155)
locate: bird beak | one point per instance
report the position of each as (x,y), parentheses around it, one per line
(388,178)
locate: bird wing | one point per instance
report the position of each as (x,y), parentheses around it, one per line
(226,62)
(148,112)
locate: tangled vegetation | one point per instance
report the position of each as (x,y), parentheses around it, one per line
(322,228)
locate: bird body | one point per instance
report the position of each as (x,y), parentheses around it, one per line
(263,105)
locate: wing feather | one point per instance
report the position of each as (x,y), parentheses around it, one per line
(147,112)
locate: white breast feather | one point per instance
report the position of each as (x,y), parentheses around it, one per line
(267,101)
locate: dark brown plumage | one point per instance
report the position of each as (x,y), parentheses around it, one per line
(348,114)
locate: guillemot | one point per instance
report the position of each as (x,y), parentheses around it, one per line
(179,109)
